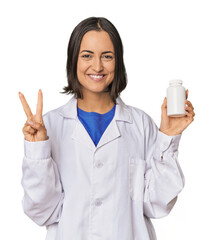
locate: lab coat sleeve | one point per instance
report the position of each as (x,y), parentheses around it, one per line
(43,195)
(163,176)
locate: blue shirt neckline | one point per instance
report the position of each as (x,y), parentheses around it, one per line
(95,113)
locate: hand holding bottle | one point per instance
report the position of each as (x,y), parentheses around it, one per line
(34,129)
(176,125)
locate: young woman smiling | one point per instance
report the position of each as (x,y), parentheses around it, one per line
(95,71)
(96,168)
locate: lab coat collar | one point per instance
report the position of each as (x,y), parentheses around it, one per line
(122,112)
(79,134)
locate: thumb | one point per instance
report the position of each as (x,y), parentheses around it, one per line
(164,107)
(35,125)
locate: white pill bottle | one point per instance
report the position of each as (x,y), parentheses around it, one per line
(176,99)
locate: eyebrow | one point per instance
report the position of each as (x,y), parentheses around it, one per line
(93,52)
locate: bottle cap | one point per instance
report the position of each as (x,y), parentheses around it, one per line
(175,81)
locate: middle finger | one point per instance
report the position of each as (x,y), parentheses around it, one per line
(39,105)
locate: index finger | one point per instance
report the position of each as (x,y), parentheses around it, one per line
(39,105)
(26,107)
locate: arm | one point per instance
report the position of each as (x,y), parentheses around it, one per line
(43,195)
(164,179)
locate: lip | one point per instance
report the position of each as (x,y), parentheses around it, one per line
(98,79)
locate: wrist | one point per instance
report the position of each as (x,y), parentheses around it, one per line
(169,132)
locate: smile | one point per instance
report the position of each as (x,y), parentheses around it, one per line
(96,78)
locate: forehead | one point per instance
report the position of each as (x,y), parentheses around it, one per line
(96,41)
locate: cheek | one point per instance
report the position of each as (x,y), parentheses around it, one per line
(81,66)
(111,67)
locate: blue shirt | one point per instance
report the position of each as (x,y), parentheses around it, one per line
(95,123)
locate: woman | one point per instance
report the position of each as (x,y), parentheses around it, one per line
(96,168)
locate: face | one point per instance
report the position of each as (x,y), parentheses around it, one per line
(96,62)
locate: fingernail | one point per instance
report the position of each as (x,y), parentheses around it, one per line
(31,123)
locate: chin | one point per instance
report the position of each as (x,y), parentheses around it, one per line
(97,90)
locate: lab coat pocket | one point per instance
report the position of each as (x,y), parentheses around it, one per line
(136,178)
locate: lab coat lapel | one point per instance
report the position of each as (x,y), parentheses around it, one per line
(111,132)
(81,135)
(122,113)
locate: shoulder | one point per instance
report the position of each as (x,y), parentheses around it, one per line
(53,116)
(139,115)
(144,123)
(53,113)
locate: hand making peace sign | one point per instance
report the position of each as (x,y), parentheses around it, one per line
(36,130)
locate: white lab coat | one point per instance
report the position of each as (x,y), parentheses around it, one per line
(109,192)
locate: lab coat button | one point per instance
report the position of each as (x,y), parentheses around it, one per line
(98,202)
(99,165)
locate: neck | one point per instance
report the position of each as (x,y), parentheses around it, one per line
(92,102)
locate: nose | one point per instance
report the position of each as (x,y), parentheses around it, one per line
(97,64)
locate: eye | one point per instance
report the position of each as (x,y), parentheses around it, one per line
(108,57)
(86,56)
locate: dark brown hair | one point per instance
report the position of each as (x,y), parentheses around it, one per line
(98,24)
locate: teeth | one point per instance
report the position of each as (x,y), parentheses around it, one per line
(96,76)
